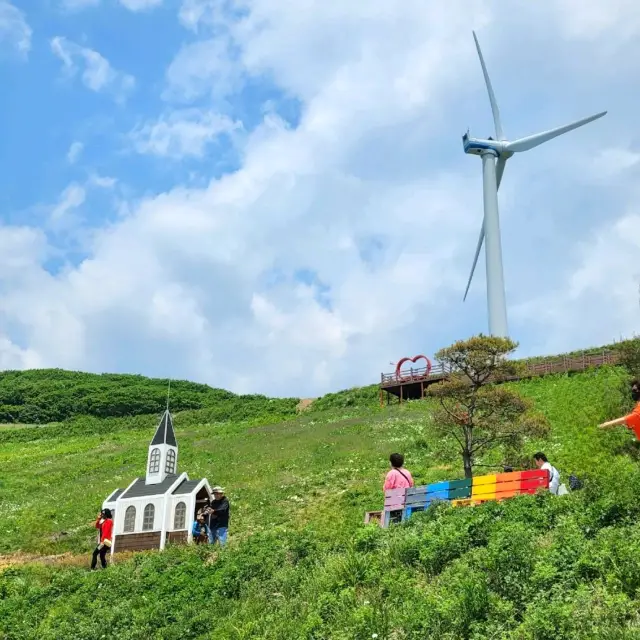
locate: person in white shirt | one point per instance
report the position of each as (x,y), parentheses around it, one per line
(554,475)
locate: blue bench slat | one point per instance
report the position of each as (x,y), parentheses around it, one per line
(438,495)
(409,511)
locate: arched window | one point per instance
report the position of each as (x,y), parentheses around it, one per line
(147,520)
(170,467)
(154,461)
(180,518)
(130,519)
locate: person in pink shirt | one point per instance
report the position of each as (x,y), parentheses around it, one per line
(398,477)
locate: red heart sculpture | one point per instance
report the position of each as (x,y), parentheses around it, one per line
(414,359)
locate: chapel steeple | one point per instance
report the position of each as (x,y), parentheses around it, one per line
(163,450)
(165,433)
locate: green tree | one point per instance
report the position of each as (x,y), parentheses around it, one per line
(474,411)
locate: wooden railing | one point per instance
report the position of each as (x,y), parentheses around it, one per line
(438,371)
(554,365)
(566,364)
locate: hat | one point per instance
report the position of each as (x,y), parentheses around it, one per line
(217,489)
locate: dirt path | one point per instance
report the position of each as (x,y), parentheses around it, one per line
(68,559)
(20,558)
(305,403)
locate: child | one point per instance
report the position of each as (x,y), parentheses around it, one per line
(200,531)
(104,524)
(632,421)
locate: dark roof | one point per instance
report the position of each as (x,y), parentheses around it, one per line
(164,432)
(186,487)
(115,495)
(140,489)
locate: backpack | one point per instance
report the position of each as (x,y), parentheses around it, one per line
(574,483)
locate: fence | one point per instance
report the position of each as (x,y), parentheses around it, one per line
(564,364)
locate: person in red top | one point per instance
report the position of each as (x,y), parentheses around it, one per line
(398,477)
(632,420)
(104,524)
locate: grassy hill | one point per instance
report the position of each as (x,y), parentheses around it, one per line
(42,396)
(301,564)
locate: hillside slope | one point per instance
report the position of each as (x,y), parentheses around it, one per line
(39,396)
(301,564)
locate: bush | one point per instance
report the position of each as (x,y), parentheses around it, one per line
(40,396)
(629,351)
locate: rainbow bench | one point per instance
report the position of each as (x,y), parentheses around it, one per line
(399,504)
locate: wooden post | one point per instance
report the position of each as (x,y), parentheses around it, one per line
(381,398)
(422,389)
(400,396)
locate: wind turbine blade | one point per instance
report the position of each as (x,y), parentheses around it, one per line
(475,260)
(492,98)
(500,165)
(530,142)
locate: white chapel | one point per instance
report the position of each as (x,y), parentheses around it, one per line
(160,507)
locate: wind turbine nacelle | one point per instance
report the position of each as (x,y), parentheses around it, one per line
(479,146)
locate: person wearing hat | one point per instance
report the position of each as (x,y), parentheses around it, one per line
(218,517)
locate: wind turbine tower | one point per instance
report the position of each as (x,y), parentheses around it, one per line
(494,154)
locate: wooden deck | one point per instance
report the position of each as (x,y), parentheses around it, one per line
(413,383)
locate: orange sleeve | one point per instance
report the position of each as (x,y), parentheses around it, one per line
(633,419)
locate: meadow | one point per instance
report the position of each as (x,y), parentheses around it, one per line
(300,563)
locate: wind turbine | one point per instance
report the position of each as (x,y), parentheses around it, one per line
(494,154)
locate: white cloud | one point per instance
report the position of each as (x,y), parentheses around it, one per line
(343,243)
(12,357)
(105,182)
(614,161)
(97,74)
(591,19)
(70,199)
(194,12)
(14,30)
(181,133)
(598,298)
(20,247)
(202,68)
(74,152)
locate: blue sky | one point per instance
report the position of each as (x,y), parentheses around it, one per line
(272,197)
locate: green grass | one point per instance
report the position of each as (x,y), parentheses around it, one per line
(301,564)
